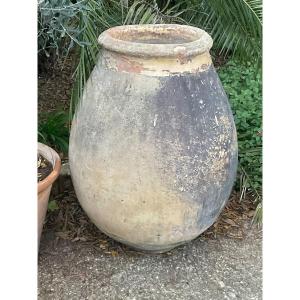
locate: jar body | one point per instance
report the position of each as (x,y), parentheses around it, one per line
(153,149)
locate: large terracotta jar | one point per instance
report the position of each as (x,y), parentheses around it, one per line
(153,148)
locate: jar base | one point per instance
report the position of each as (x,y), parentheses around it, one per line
(147,249)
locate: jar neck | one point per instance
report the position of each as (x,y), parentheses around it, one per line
(155,66)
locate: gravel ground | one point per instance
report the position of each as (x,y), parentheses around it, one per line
(206,268)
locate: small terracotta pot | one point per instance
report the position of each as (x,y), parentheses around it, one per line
(44,186)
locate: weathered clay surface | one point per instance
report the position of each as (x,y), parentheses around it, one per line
(153,156)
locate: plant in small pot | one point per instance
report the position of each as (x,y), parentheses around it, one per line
(48,165)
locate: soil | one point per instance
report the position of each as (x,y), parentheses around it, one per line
(219,62)
(55,85)
(44,167)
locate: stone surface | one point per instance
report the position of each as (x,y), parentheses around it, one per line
(208,269)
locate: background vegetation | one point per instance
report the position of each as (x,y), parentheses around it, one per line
(235,26)
(243,85)
(53,130)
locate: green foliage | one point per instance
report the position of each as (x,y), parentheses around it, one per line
(235,26)
(52,205)
(58,26)
(243,85)
(53,131)
(258,214)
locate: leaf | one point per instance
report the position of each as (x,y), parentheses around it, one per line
(103,244)
(83,239)
(52,205)
(62,234)
(114,253)
(251,213)
(230,222)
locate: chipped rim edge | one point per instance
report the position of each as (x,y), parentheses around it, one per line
(202,43)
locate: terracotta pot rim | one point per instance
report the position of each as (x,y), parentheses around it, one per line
(54,158)
(128,39)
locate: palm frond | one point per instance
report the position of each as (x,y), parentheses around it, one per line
(248,188)
(258,215)
(235,26)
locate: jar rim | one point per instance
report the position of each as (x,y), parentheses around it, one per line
(156,40)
